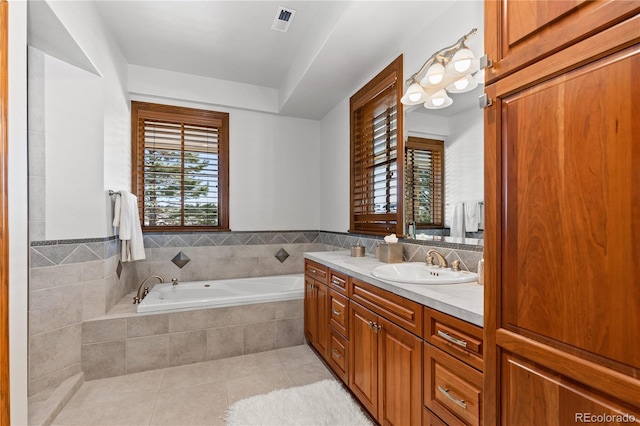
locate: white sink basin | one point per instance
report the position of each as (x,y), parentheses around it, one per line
(420,273)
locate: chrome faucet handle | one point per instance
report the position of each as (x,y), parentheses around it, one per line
(136,300)
(174,281)
(455,265)
(146,291)
(429,260)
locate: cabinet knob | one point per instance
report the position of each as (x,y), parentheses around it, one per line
(336,313)
(337,354)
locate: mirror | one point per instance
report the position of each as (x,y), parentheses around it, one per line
(461,128)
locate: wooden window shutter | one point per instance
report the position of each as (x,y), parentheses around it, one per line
(424,182)
(180,167)
(377,155)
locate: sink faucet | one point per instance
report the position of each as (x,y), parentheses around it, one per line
(442,262)
(139,296)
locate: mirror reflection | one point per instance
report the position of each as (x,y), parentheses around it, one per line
(444,191)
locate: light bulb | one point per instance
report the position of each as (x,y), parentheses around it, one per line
(461,84)
(415,97)
(462,65)
(437,101)
(434,76)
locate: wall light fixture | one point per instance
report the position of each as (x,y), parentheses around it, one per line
(452,69)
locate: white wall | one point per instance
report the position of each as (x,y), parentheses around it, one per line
(334,169)
(74,129)
(273,175)
(85,27)
(458,20)
(464,158)
(18,217)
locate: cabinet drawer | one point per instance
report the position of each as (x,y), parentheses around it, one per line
(403,312)
(430,419)
(315,270)
(454,336)
(338,354)
(339,312)
(338,282)
(452,389)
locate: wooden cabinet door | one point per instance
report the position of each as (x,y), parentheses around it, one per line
(310,315)
(562,179)
(521,32)
(363,366)
(400,375)
(533,395)
(321,341)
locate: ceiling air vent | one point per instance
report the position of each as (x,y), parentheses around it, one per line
(283,19)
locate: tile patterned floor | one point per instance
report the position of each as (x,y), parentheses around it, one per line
(194,394)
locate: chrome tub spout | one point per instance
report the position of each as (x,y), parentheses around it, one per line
(140,296)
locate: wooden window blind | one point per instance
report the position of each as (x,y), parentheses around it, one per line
(424,182)
(377,154)
(180,164)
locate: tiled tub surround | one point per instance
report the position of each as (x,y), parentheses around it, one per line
(71,282)
(125,342)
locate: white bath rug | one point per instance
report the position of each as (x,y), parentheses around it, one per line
(321,403)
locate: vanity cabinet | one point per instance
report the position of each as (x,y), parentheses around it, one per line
(316,307)
(453,364)
(562,173)
(520,33)
(386,368)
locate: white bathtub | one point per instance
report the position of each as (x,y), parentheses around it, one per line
(220,293)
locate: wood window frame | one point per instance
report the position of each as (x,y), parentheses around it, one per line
(378,223)
(192,116)
(436,146)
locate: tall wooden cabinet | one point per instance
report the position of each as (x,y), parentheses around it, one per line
(316,303)
(562,200)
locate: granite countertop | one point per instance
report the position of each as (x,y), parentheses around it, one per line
(463,301)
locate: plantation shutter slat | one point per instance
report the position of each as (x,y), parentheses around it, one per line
(180,167)
(376,161)
(424,182)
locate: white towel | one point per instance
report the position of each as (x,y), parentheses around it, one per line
(457,220)
(472,215)
(126,217)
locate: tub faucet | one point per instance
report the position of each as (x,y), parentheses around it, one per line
(139,296)
(442,262)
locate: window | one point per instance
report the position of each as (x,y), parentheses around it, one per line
(180,159)
(377,154)
(424,182)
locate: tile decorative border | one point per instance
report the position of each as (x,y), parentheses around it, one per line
(234,238)
(346,240)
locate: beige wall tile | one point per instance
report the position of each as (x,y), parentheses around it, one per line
(191,320)
(55,308)
(289,309)
(258,312)
(224,342)
(93,299)
(187,347)
(289,332)
(53,380)
(147,325)
(147,353)
(104,330)
(221,317)
(54,276)
(105,359)
(63,342)
(93,270)
(259,337)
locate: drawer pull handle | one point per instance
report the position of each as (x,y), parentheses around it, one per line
(337,354)
(446,393)
(313,271)
(336,282)
(450,338)
(336,313)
